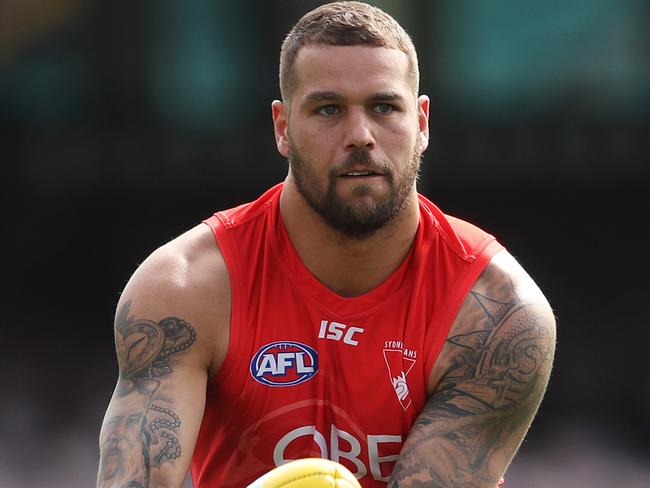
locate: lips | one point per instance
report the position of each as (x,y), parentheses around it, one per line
(360,172)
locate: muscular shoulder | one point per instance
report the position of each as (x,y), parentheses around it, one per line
(505,279)
(504,308)
(186,278)
(190,266)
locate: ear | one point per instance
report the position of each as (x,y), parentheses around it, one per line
(278,110)
(423,121)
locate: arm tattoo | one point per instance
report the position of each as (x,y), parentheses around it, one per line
(471,426)
(142,434)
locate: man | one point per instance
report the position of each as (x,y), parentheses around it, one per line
(341,315)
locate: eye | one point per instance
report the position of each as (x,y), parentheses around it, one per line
(328,110)
(134,419)
(384,108)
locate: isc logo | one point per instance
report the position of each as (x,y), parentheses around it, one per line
(337,331)
(284,363)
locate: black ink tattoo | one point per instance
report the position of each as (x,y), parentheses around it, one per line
(484,404)
(142,434)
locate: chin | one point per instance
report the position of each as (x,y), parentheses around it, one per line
(364,192)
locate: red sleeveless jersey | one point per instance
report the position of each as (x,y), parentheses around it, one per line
(309,373)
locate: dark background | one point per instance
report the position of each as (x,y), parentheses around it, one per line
(122,124)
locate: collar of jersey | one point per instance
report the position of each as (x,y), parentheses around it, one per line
(309,286)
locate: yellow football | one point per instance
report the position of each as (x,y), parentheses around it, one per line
(308,473)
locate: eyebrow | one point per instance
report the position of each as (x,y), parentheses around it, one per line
(387,97)
(320,96)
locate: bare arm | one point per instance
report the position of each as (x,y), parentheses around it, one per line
(143,432)
(164,336)
(489,382)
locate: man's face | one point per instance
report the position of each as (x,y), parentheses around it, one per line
(353,135)
(125,439)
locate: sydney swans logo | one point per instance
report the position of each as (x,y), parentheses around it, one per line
(399,361)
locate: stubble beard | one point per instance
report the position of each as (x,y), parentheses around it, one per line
(357,218)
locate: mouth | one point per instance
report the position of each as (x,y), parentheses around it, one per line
(361,173)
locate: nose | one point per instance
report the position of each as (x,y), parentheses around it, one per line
(358,130)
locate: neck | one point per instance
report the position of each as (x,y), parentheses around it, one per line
(349,267)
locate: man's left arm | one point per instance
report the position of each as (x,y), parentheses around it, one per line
(487,384)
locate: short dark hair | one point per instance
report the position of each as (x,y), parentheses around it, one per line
(343,24)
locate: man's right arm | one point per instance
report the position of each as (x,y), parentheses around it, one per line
(167,340)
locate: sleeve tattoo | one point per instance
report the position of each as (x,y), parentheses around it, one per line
(471,426)
(141,432)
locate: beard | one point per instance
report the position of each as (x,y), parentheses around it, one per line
(362,215)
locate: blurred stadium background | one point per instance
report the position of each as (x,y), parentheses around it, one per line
(124,123)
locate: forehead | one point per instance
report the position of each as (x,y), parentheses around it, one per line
(351,70)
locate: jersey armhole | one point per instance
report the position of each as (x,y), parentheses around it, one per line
(219,229)
(442,322)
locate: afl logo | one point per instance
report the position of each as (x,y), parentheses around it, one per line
(284,363)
